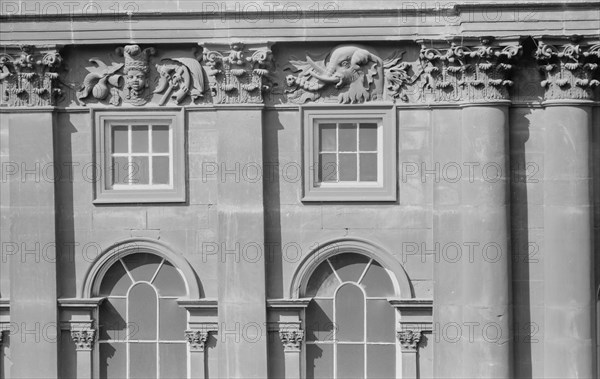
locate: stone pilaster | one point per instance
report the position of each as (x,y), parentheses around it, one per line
(84,340)
(292,338)
(568,255)
(28,78)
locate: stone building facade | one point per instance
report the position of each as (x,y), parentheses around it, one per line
(326,189)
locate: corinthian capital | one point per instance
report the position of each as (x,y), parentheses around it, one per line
(409,339)
(467,73)
(197,339)
(28,78)
(237,73)
(291,339)
(569,70)
(83,338)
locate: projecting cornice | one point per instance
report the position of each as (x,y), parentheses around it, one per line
(570,69)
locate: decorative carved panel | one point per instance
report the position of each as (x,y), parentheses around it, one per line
(29,77)
(569,70)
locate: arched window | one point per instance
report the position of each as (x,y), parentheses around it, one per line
(350,324)
(141,325)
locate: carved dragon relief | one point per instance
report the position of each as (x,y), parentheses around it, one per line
(30,78)
(353,72)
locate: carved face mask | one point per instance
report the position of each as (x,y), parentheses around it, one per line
(136,80)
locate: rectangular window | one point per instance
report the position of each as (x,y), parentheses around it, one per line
(349,155)
(139,157)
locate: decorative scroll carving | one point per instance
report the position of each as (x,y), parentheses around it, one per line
(291,339)
(238,75)
(180,77)
(29,79)
(99,83)
(353,72)
(197,339)
(409,339)
(568,70)
(460,73)
(83,338)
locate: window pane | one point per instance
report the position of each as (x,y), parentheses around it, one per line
(119,139)
(349,266)
(381,361)
(120,170)
(113,325)
(348,168)
(142,266)
(327,138)
(348,137)
(169,282)
(377,282)
(173,362)
(139,139)
(368,137)
(350,316)
(160,170)
(141,171)
(351,361)
(319,361)
(319,324)
(113,360)
(368,167)
(328,168)
(381,321)
(142,312)
(116,282)
(173,320)
(323,282)
(160,138)
(142,360)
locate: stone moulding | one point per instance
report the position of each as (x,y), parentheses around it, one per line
(238,74)
(462,73)
(29,78)
(569,70)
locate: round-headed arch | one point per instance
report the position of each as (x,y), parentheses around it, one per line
(346,245)
(96,272)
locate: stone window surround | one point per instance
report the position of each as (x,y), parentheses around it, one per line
(386,114)
(103,195)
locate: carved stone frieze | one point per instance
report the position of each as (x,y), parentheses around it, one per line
(101,82)
(197,339)
(291,339)
(569,70)
(238,74)
(136,73)
(409,339)
(179,78)
(461,73)
(84,338)
(352,73)
(29,78)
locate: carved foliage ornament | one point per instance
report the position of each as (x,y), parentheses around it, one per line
(460,73)
(29,79)
(569,70)
(197,339)
(356,74)
(238,74)
(409,339)
(291,339)
(84,338)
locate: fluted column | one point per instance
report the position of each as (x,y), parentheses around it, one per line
(473,308)
(569,73)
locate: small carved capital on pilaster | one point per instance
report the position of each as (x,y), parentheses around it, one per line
(197,339)
(569,70)
(291,339)
(462,73)
(409,339)
(84,339)
(28,78)
(238,74)
(1,336)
